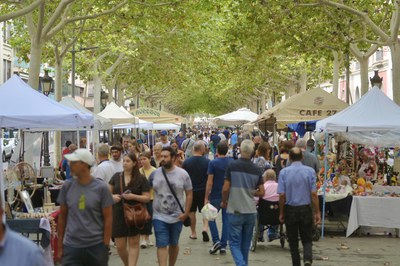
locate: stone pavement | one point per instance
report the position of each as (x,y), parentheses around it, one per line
(335,249)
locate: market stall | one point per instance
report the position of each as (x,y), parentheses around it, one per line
(373,122)
(156,116)
(236,118)
(311,105)
(22,107)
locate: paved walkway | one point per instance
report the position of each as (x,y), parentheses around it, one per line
(335,249)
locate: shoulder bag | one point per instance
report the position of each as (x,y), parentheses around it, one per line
(187,220)
(135,215)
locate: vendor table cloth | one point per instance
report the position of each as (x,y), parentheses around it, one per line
(374,211)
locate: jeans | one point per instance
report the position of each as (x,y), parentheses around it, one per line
(94,255)
(213,225)
(167,234)
(299,219)
(240,233)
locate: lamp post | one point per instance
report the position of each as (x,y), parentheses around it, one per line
(103,99)
(47,85)
(73,52)
(131,105)
(376,80)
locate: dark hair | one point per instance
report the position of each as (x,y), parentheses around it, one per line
(264,150)
(286,146)
(295,154)
(171,151)
(116,147)
(135,170)
(222,148)
(67,143)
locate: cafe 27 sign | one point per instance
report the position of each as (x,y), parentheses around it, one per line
(318,101)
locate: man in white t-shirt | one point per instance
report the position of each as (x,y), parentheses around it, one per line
(164,139)
(116,157)
(104,169)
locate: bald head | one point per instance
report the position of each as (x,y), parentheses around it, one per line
(295,154)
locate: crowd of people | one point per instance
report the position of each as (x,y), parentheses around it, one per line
(174,177)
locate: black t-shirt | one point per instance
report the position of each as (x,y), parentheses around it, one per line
(197,167)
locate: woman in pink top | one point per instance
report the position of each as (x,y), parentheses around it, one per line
(271,188)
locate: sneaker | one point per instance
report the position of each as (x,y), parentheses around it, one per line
(307,263)
(150,244)
(215,248)
(143,243)
(222,251)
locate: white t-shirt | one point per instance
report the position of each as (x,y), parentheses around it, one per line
(222,136)
(117,165)
(164,144)
(105,170)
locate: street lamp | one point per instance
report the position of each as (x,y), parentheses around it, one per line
(47,84)
(131,105)
(376,80)
(103,99)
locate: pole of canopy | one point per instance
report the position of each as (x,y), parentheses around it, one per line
(325,181)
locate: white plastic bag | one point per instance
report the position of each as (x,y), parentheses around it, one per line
(209,212)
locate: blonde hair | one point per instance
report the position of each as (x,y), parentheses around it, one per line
(269,175)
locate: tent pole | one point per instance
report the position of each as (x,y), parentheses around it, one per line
(325,181)
(78,143)
(2,186)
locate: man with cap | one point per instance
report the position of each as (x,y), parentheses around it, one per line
(164,139)
(85,220)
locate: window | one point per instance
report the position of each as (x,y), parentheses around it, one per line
(379,55)
(6,31)
(6,70)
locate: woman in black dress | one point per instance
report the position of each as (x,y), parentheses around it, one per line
(135,189)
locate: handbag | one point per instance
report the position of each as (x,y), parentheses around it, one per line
(135,215)
(187,221)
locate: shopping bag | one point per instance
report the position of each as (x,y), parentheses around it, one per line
(209,212)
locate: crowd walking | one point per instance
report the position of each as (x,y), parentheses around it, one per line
(130,192)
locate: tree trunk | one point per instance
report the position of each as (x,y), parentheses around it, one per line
(336,69)
(364,74)
(58,97)
(395,53)
(291,89)
(97,93)
(34,65)
(303,81)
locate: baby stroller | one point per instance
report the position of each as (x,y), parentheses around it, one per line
(268,216)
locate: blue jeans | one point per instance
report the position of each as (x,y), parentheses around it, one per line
(240,233)
(167,234)
(94,255)
(213,225)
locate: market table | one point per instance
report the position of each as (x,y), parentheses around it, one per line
(375,212)
(25,226)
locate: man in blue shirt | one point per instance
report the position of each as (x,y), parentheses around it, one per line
(216,176)
(297,190)
(65,166)
(243,182)
(16,249)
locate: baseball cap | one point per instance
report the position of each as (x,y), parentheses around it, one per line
(82,155)
(164,132)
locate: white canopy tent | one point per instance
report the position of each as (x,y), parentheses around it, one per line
(142,125)
(117,116)
(166,126)
(373,120)
(238,117)
(100,122)
(22,107)
(311,105)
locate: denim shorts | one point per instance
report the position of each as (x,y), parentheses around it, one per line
(167,234)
